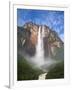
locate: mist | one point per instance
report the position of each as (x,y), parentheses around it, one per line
(38,60)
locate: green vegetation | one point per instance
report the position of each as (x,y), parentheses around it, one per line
(25,70)
(56,72)
(59,54)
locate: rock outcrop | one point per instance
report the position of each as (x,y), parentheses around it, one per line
(27,39)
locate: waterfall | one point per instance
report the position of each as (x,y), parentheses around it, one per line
(39,46)
(38,59)
(39,56)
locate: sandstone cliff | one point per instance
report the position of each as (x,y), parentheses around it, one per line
(27,39)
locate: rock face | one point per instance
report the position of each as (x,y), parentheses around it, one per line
(27,37)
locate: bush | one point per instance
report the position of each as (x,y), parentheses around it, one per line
(56,72)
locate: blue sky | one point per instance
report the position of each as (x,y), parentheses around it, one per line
(53,19)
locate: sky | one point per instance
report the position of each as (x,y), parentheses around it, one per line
(53,19)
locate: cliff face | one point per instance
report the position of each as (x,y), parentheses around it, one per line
(28,36)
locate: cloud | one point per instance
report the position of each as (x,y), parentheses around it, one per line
(53,19)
